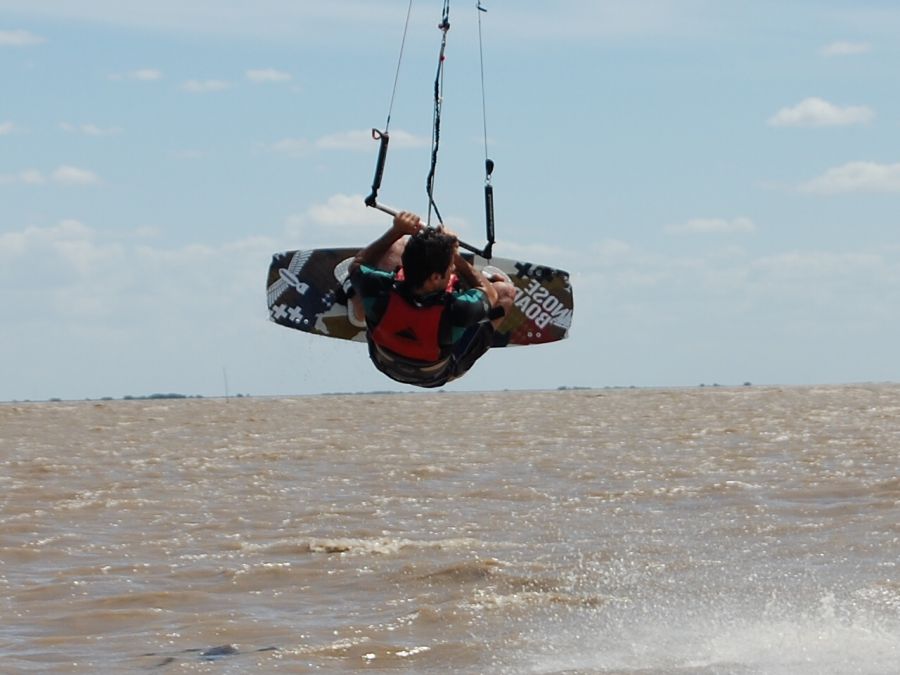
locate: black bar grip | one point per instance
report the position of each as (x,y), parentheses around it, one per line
(489,219)
(383,138)
(472,249)
(391,211)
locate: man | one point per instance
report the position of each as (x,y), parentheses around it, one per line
(422,330)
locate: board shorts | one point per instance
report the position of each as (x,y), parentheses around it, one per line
(468,349)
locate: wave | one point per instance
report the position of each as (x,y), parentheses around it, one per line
(356,546)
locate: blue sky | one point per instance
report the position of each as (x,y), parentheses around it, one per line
(722,179)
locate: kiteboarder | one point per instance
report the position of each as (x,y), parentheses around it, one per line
(429,320)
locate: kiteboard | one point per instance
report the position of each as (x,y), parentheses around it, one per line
(305,294)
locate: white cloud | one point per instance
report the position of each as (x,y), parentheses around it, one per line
(146,75)
(712,226)
(26,176)
(12,245)
(63,175)
(362,140)
(541,254)
(348,140)
(205,86)
(321,21)
(19,38)
(343,209)
(68,238)
(32,177)
(87,306)
(404,139)
(80,248)
(70,266)
(341,220)
(73,175)
(816,112)
(267,75)
(7,128)
(294,147)
(140,75)
(264,18)
(844,48)
(90,129)
(856,177)
(345,220)
(75,244)
(818,264)
(358,141)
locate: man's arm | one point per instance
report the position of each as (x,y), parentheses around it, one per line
(404,223)
(475,279)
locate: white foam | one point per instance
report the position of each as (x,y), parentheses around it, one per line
(826,642)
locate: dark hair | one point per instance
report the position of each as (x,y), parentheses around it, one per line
(428,251)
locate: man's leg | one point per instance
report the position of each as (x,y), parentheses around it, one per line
(472,346)
(506,292)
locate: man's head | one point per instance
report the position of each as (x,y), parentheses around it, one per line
(427,252)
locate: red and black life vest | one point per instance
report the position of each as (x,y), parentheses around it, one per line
(409,329)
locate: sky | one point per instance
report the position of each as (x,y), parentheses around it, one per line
(721,179)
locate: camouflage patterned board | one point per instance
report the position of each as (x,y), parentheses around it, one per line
(304,294)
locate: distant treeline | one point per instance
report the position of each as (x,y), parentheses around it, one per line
(153,397)
(157,396)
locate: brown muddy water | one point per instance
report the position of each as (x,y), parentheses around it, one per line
(715,530)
